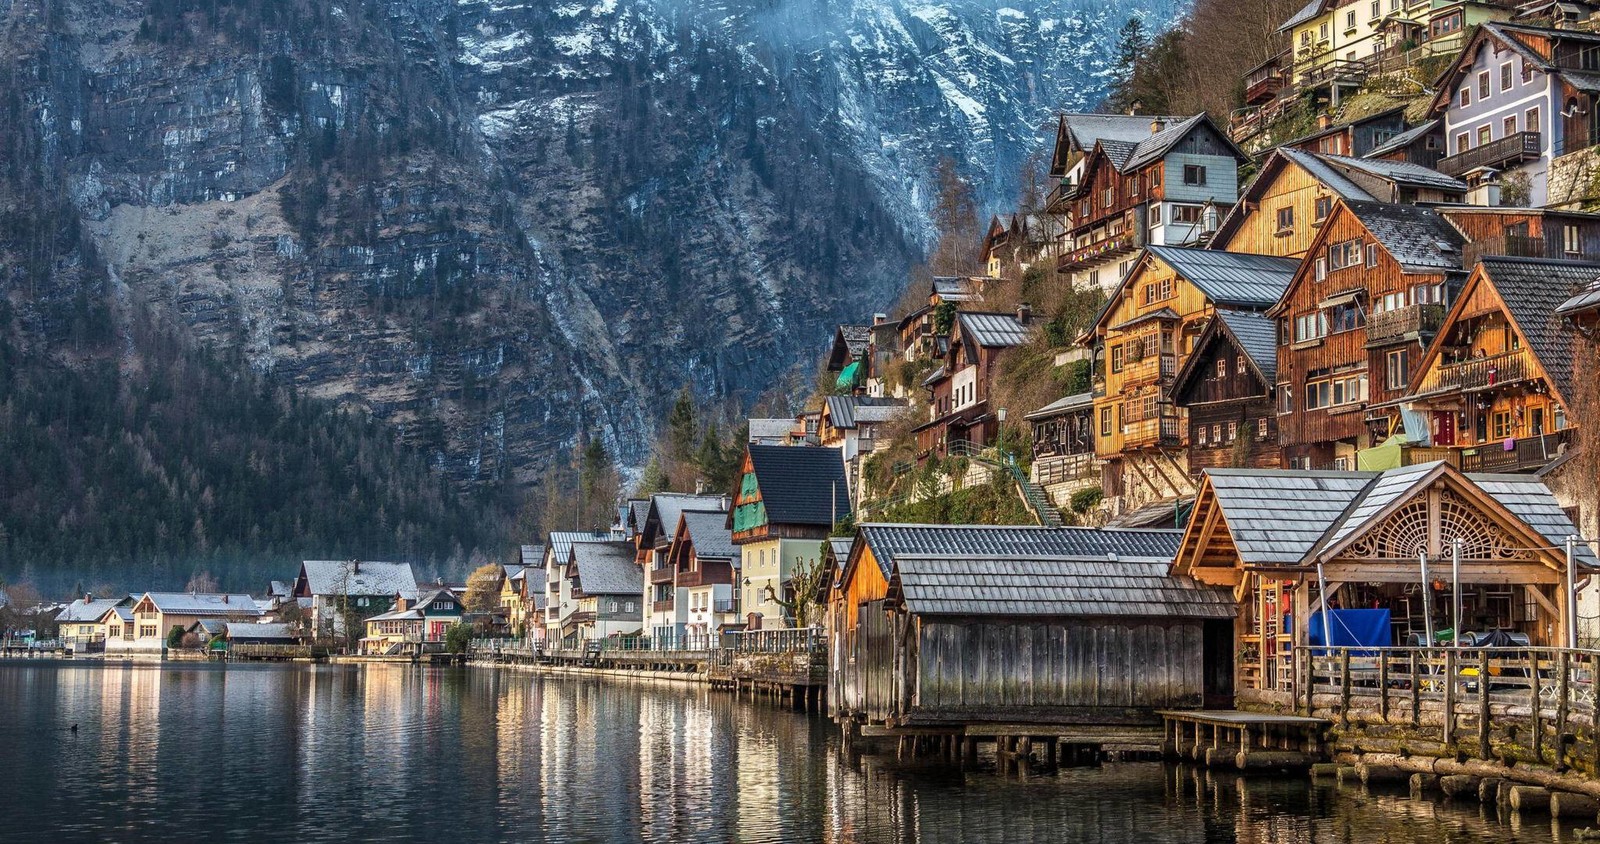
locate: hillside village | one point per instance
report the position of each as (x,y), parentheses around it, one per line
(1227,387)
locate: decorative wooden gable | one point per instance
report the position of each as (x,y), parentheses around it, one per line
(749,514)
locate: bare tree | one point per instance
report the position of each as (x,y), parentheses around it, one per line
(202,582)
(955,218)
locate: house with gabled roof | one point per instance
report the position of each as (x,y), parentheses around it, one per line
(1352,325)
(560,602)
(1225,389)
(156,614)
(1494,387)
(958,390)
(607,586)
(849,356)
(1144,334)
(349,589)
(82,624)
(1284,207)
(1293,545)
(788,500)
(1063,446)
(1170,187)
(414,622)
(665,613)
(1422,144)
(707,570)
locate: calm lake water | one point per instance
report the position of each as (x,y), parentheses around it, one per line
(193,752)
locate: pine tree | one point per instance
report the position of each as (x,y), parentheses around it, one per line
(682,429)
(708,460)
(653,480)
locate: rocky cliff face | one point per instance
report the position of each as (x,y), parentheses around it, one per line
(493,224)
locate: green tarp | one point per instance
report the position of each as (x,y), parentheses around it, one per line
(1382,457)
(847,378)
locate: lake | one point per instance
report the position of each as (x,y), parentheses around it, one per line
(212,753)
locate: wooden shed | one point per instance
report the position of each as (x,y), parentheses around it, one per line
(1036,640)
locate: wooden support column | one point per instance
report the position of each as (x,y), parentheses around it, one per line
(1563,690)
(1449,695)
(1416,692)
(1383,686)
(1483,704)
(1344,686)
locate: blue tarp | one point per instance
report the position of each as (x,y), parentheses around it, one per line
(1352,628)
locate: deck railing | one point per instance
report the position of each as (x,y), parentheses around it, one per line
(1480,373)
(1519,147)
(783,640)
(1400,322)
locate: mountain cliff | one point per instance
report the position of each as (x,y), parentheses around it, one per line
(497,225)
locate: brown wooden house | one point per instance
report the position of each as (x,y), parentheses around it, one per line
(1226,388)
(1281,211)
(1352,326)
(1525,233)
(958,390)
(1491,394)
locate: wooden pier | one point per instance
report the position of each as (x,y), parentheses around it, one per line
(1248,741)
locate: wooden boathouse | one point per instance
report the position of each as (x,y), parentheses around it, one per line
(1065,635)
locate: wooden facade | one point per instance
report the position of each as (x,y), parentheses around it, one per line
(1281,212)
(958,393)
(1526,233)
(1229,403)
(1352,327)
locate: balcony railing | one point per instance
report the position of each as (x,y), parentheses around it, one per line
(1157,431)
(1523,146)
(662,606)
(1481,373)
(1404,322)
(663,574)
(1525,454)
(1106,249)
(725,606)
(1340,72)
(1150,369)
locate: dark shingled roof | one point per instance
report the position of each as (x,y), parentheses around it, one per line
(561,542)
(1420,239)
(1533,290)
(796,481)
(856,338)
(1403,139)
(533,556)
(606,568)
(1037,585)
(1231,278)
(1257,337)
(708,530)
(890,541)
(1086,129)
(1118,152)
(1156,146)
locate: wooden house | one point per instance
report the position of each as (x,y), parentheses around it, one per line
(1284,208)
(848,356)
(1226,387)
(1492,391)
(1063,445)
(349,589)
(707,565)
(414,622)
(1076,137)
(1142,336)
(1525,233)
(1376,540)
(1352,325)
(1421,144)
(789,498)
(944,626)
(1399,181)
(1353,138)
(958,402)
(1170,188)
(665,612)
(853,424)
(155,614)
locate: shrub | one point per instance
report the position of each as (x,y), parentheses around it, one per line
(175,637)
(457,638)
(1085,500)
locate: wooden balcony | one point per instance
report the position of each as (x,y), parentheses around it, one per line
(663,573)
(1528,454)
(1516,246)
(1105,250)
(662,606)
(1404,324)
(1151,369)
(1153,432)
(1482,373)
(1339,73)
(1523,146)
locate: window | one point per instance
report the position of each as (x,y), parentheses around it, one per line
(1155,178)
(1216,432)
(1283,332)
(1261,428)
(611,606)
(1310,326)
(1463,142)
(1427,294)
(1376,10)
(1222,368)
(1396,366)
(1484,135)
(1305,38)
(1349,20)
(1345,253)
(1527,73)
(1483,84)
(1105,421)
(1194,174)
(1324,207)
(1116,358)
(627,606)
(1372,255)
(1155,215)
(1133,187)
(1200,433)
(1233,431)
(1322,31)
(1508,127)
(1159,290)
(1571,239)
(1321,268)
(1505,76)
(1107,197)
(147,631)
(1530,120)
(1286,218)
(1188,214)
(1238,364)
(1345,317)
(1465,98)
(1339,390)
(1500,424)
(1285,398)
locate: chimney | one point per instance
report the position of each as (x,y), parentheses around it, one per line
(1324,120)
(224,597)
(355,566)
(699,486)
(880,319)
(1024,313)
(1133,108)
(87,597)
(1157,125)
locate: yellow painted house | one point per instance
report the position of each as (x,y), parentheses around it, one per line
(1141,338)
(1329,39)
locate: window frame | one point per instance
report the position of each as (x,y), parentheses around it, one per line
(1194,175)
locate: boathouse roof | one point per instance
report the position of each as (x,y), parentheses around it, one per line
(889,542)
(1038,585)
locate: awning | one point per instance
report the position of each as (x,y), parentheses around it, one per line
(1343,297)
(1165,313)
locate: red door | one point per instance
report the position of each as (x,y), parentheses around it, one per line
(1444,427)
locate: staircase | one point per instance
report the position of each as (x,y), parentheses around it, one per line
(1037,499)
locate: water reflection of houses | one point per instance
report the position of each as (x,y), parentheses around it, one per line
(1382,540)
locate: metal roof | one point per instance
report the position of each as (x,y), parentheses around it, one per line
(1400,172)
(1078,401)
(561,542)
(1231,278)
(606,568)
(801,485)
(769,429)
(848,411)
(666,507)
(1257,337)
(1052,586)
(1086,129)
(201,603)
(235,630)
(1586,298)
(889,541)
(83,612)
(357,577)
(1307,12)
(1331,178)
(532,556)
(992,330)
